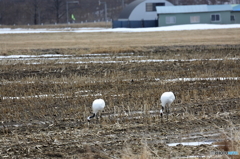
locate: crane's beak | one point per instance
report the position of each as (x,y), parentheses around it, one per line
(88,119)
(161,112)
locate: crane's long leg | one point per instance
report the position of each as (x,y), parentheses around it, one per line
(161,112)
(167,111)
(97,118)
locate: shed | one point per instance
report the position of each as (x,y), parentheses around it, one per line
(196,14)
(142,10)
(235,14)
(140,13)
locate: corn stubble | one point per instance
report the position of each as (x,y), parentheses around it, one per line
(46,105)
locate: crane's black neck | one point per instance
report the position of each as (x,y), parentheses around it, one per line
(91,116)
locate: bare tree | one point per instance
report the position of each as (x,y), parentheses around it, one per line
(234,1)
(22,12)
(33,10)
(58,7)
(1,11)
(10,12)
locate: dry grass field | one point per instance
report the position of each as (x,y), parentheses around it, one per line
(72,25)
(45,100)
(117,42)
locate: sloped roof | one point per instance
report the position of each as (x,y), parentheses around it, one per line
(128,10)
(235,7)
(193,8)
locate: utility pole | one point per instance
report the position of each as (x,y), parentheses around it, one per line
(105,8)
(123,4)
(67,7)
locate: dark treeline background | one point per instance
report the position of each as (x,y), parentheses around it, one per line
(34,12)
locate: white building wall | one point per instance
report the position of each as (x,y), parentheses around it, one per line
(139,12)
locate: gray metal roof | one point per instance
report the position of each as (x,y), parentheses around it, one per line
(128,10)
(236,7)
(192,8)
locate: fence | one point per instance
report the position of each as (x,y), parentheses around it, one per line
(134,24)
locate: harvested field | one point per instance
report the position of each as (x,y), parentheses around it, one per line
(113,42)
(46,99)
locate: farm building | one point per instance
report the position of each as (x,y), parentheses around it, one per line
(196,14)
(235,14)
(140,13)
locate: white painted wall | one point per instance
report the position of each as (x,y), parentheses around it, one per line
(139,12)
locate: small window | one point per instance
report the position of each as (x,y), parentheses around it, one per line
(232,18)
(195,19)
(215,17)
(151,7)
(171,20)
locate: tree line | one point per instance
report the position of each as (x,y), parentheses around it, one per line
(22,12)
(36,12)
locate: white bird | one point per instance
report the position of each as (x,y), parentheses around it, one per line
(97,106)
(166,100)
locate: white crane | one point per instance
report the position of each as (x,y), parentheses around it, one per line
(166,100)
(97,106)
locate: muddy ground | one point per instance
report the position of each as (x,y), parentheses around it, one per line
(44,105)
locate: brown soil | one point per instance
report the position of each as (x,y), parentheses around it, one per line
(56,126)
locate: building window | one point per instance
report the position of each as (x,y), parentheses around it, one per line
(215,17)
(171,20)
(232,18)
(195,19)
(151,7)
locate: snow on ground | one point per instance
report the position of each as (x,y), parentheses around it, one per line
(200,79)
(32,56)
(152,29)
(98,58)
(190,143)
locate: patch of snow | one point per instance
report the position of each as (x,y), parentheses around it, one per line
(151,29)
(32,56)
(200,79)
(190,143)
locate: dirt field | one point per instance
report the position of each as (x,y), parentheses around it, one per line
(45,102)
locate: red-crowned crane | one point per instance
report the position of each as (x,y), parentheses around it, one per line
(97,106)
(166,100)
